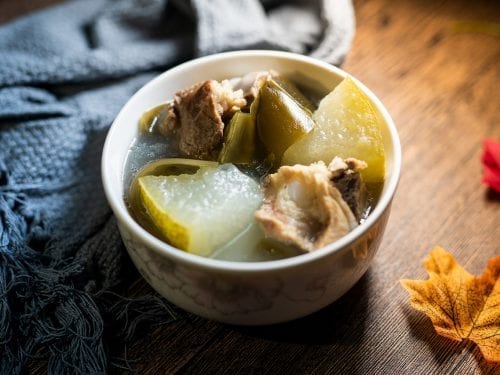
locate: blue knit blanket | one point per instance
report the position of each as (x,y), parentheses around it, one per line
(64,74)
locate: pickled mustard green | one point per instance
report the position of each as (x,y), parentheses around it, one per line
(239,140)
(149,121)
(294,92)
(280,119)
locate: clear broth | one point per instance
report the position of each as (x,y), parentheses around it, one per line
(250,245)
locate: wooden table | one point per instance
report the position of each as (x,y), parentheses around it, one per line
(442,89)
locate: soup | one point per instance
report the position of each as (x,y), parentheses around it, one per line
(251,169)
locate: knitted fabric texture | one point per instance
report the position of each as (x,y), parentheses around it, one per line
(64,74)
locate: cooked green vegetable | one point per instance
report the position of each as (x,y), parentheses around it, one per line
(149,121)
(239,140)
(280,119)
(294,92)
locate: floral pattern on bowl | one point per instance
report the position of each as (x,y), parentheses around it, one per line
(221,296)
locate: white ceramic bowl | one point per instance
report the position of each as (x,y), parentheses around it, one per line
(236,292)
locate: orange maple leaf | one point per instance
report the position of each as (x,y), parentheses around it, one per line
(460,305)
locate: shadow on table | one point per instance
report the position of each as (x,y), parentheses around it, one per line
(422,330)
(492,196)
(444,350)
(342,322)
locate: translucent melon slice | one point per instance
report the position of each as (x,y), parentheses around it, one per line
(200,212)
(347,125)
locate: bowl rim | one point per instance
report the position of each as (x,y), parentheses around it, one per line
(163,248)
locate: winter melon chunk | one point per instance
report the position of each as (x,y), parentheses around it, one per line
(202,211)
(347,125)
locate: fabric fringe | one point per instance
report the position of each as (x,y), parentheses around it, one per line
(47,316)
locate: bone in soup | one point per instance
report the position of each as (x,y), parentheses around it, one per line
(252,169)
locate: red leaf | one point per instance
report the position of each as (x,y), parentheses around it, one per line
(491,164)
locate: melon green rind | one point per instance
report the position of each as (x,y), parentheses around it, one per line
(175,233)
(200,212)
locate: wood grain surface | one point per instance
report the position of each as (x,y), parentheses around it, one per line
(442,87)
